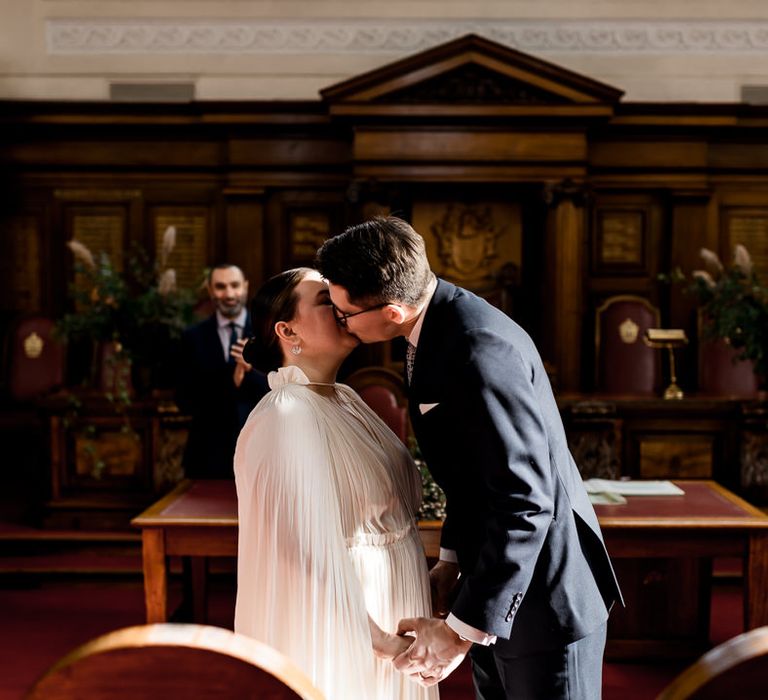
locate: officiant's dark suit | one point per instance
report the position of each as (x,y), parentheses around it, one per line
(535,571)
(207,392)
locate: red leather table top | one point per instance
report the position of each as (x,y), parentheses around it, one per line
(205,499)
(216,501)
(703,504)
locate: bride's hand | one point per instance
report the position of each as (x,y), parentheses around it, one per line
(388,646)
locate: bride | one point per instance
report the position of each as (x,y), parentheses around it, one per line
(329,555)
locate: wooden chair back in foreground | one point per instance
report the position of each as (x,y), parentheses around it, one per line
(625,364)
(384,391)
(184,662)
(737,668)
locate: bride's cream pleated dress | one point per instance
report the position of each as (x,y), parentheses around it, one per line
(327,497)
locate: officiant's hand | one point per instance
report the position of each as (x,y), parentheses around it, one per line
(434,654)
(443,578)
(241,366)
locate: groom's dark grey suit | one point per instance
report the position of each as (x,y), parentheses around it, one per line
(535,571)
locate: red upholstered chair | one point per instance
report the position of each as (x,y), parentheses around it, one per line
(625,364)
(36,361)
(737,668)
(384,391)
(158,662)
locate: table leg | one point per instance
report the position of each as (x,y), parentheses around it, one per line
(155,574)
(755,576)
(196,588)
(200,589)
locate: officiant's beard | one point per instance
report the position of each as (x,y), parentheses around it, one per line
(228,309)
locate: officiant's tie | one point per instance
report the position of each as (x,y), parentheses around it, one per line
(410,356)
(232,340)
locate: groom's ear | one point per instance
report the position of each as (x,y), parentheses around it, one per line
(394,313)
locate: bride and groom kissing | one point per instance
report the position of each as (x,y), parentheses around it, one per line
(331,570)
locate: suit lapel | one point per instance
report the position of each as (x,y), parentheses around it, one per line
(430,338)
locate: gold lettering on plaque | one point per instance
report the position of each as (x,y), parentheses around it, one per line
(33,346)
(101,233)
(621,237)
(628,331)
(750,228)
(308,232)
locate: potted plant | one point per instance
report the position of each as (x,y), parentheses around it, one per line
(734,307)
(131,318)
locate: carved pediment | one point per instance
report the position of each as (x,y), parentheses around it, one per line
(470,73)
(472,83)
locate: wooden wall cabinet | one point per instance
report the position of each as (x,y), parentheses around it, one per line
(695,438)
(107,466)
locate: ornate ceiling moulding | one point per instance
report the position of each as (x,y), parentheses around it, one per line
(185,36)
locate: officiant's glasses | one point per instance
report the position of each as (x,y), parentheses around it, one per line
(342,316)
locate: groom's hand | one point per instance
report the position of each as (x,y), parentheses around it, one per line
(436,651)
(443,577)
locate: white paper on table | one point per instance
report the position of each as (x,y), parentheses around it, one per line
(633,488)
(606,499)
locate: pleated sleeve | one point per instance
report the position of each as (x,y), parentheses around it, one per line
(297,588)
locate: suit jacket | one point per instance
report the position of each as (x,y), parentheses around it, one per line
(205,391)
(534,566)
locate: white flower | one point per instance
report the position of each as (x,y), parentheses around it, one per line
(169,241)
(705,277)
(167,282)
(742,260)
(82,254)
(712,262)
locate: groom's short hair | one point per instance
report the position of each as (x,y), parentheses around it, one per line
(380,260)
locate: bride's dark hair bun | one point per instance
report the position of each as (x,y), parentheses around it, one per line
(274,302)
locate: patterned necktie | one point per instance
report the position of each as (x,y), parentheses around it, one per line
(232,340)
(410,356)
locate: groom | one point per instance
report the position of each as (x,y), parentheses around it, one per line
(523,576)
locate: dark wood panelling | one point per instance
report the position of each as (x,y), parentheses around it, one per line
(467,145)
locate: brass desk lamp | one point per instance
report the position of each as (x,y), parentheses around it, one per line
(669,338)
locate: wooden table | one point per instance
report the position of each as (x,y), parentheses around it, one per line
(673,539)
(199,519)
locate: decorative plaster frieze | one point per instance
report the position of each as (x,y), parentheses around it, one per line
(180,36)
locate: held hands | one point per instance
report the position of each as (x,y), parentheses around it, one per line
(388,646)
(443,578)
(434,654)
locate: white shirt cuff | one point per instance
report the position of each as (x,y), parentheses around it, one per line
(469,633)
(448,555)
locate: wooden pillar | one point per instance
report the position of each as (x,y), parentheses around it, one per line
(244,240)
(564,302)
(693,227)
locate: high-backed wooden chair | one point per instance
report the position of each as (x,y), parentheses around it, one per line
(35,361)
(737,668)
(624,363)
(183,662)
(384,391)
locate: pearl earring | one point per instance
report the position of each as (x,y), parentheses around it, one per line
(296,349)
